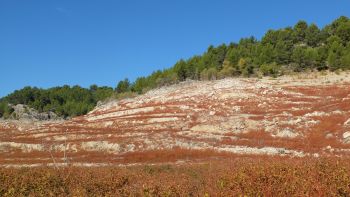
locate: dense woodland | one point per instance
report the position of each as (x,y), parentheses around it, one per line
(291,49)
(65,101)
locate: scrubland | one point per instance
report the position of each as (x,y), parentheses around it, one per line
(235,176)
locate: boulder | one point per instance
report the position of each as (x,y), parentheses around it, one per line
(346,137)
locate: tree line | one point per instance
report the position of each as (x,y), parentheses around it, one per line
(65,101)
(292,49)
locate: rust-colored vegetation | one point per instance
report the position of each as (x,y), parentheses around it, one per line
(259,176)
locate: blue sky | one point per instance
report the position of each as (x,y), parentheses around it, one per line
(48,43)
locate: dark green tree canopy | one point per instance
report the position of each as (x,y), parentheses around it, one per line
(65,101)
(123,86)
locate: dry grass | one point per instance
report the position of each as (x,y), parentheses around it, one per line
(259,176)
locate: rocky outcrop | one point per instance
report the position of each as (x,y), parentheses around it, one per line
(24,112)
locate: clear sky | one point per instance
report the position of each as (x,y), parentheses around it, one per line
(48,43)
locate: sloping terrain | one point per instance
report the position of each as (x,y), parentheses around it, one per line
(298,116)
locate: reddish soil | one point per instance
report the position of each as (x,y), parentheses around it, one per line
(194,121)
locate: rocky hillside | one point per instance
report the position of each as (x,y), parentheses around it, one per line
(25,113)
(297,116)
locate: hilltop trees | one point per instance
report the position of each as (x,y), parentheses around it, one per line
(300,31)
(312,35)
(299,48)
(123,86)
(64,101)
(341,28)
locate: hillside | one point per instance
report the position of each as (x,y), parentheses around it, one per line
(298,116)
(175,98)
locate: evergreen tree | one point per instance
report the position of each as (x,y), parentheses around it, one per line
(180,70)
(123,86)
(300,31)
(313,35)
(335,53)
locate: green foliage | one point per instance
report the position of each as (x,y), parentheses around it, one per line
(266,54)
(209,74)
(233,54)
(300,31)
(5,110)
(180,69)
(228,70)
(123,86)
(101,93)
(345,60)
(204,74)
(214,57)
(312,35)
(64,101)
(271,69)
(245,66)
(212,73)
(139,84)
(343,29)
(335,53)
(305,58)
(303,47)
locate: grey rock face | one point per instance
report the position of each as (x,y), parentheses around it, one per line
(24,112)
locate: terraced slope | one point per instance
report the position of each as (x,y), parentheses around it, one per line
(296,116)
